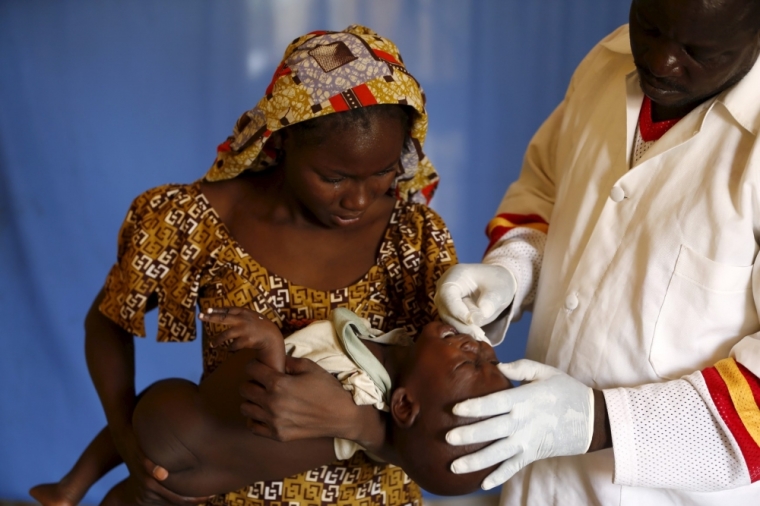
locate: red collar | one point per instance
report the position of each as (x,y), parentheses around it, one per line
(650,130)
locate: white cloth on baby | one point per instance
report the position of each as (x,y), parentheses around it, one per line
(336,346)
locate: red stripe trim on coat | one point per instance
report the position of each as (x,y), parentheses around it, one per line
(725,406)
(496,228)
(753,381)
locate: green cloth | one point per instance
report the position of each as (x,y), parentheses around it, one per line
(351,330)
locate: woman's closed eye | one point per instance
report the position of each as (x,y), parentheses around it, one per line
(387,171)
(332,180)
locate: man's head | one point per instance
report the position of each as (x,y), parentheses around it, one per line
(687,51)
(444,368)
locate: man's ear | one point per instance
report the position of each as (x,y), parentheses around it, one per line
(404,408)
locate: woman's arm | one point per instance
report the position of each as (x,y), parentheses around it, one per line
(110,355)
(290,406)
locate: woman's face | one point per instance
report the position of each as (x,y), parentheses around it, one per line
(338,179)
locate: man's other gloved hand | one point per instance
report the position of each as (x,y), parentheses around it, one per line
(469,296)
(553,415)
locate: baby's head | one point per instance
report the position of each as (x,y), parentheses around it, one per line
(444,368)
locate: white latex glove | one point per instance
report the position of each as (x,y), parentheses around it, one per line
(551,416)
(469,296)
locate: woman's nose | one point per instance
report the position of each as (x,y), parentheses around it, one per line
(358,197)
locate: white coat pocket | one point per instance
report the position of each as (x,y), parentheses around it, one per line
(708,308)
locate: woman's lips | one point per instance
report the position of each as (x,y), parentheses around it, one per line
(345,220)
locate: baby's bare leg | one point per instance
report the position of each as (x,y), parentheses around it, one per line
(99,457)
(200,437)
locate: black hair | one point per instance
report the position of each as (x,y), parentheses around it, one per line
(314,131)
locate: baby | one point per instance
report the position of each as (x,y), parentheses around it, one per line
(197,434)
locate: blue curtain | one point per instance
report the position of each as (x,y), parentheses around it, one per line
(100,100)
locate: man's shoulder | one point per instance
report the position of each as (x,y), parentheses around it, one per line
(606,61)
(743,100)
(618,41)
(614,49)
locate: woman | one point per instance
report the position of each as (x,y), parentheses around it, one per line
(315,202)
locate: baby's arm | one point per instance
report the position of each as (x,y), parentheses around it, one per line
(248,329)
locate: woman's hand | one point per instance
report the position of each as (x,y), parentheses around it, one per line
(306,402)
(248,329)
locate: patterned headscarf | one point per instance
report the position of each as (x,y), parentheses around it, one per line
(323,73)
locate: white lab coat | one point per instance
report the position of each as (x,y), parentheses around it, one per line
(648,274)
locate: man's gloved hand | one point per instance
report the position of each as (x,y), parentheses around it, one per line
(552,415)
(469,296)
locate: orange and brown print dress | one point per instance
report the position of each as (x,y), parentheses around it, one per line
(173,244)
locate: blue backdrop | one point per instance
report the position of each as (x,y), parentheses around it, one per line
(100,100)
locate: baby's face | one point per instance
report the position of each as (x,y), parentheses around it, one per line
(456,366)
(445,368)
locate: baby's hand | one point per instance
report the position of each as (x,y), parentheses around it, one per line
(247,329)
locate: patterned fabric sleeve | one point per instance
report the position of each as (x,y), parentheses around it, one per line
(426,251)
(164,244)
(439,256)
(700,433)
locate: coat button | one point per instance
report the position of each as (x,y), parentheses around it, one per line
(617,194)
(571,302)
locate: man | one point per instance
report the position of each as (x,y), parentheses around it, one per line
(633,232)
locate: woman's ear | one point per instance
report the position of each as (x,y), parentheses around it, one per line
(404,408)
(276,140)
(274,146)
